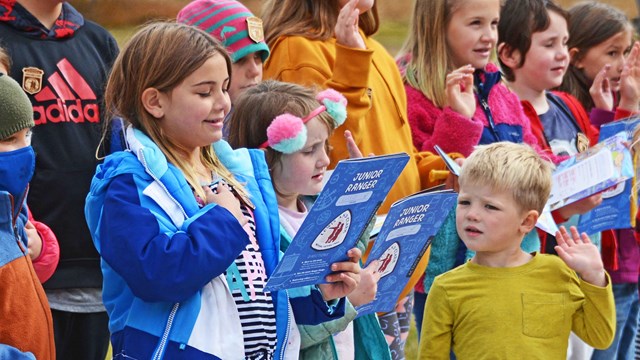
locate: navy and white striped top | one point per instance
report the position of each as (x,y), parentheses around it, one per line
(247,278)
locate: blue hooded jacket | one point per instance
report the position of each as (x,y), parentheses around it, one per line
(164,258)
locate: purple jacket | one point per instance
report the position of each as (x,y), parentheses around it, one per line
(628,258)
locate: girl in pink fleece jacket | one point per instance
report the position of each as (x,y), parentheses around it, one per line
(455,97)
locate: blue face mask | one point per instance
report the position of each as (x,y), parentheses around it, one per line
(16,170)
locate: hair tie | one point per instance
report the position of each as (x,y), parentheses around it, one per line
(288,134)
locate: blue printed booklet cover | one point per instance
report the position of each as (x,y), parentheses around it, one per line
(598,168)
(336,220)
(407,232)
(615,211)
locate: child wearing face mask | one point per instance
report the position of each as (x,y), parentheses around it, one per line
(27,330)
(43,244)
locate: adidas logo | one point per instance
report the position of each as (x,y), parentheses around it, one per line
(74,99)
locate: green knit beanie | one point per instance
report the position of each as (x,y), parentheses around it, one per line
(16,112)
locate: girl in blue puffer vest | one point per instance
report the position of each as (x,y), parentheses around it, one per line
(188,232)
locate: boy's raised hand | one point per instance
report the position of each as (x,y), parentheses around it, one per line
(630,80)
(577,251)
(344,278)
(347,31)
(460,96)
(600,90)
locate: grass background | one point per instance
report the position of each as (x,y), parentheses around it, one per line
(122,17)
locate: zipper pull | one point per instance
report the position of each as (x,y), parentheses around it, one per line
(484,103)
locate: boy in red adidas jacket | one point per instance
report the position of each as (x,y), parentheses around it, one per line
(62,60)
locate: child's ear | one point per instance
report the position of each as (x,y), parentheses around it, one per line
(152,102)
(509,56)
(529,221)
(573,58)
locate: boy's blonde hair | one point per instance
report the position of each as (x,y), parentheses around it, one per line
(507,166)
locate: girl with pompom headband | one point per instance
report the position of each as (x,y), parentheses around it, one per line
(288,133)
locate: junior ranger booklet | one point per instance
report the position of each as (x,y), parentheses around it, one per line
(337,219)
(618,208)
(407,232)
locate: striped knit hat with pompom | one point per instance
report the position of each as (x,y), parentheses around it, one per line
(231,23)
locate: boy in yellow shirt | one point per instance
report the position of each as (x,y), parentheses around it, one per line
(506,303)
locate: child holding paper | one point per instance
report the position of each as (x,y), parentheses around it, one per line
(292,124)
(506,303)
(604,75)
(188,231)
(457,100)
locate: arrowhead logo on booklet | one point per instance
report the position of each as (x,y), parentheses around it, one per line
(389,259)
(334,233)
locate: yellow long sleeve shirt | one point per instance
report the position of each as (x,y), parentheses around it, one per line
(525,312)
(377,102)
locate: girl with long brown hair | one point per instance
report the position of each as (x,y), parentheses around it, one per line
(187,230)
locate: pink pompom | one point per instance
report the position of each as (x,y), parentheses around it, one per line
(284,127)
(331,95)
